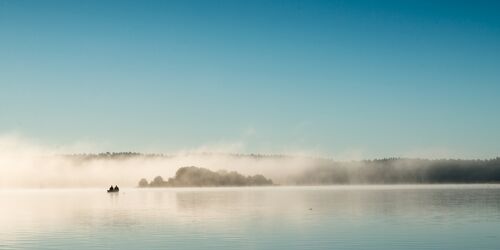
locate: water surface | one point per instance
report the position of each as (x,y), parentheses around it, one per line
(340,217)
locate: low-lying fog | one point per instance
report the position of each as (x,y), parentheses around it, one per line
(27,165)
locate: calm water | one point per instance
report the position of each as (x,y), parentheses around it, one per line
(340,217)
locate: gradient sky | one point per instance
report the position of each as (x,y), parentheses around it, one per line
(369,78)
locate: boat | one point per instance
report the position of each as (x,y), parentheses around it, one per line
(113,190)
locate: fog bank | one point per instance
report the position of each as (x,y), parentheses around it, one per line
(24,164)
(28,165)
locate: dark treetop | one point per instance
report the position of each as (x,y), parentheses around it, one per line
(202,177)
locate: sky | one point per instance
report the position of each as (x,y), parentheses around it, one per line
(359,79)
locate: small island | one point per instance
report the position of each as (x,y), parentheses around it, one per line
(202,177)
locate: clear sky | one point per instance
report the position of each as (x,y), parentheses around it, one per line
(370,78)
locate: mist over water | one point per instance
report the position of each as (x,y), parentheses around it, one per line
(24,164)
(333,217)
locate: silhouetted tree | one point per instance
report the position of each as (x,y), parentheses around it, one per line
(202,177)
(157,182)
(143,182)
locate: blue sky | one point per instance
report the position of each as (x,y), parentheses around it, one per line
(376,78)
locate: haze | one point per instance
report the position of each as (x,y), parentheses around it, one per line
(341,80)
(364,79)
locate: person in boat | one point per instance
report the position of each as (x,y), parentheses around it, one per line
(111,189)
(116,188)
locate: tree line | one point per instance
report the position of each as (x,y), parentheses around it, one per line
(202,177)
(396,170)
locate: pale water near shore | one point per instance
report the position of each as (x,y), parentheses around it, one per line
(340,217)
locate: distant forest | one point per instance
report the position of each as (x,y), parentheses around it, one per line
(323,171)
(202,177)
(396,171)
(113,156)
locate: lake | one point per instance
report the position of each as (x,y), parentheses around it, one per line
(333,217)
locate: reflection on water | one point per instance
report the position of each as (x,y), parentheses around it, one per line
(345,217)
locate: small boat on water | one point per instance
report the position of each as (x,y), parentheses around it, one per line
(113,190)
